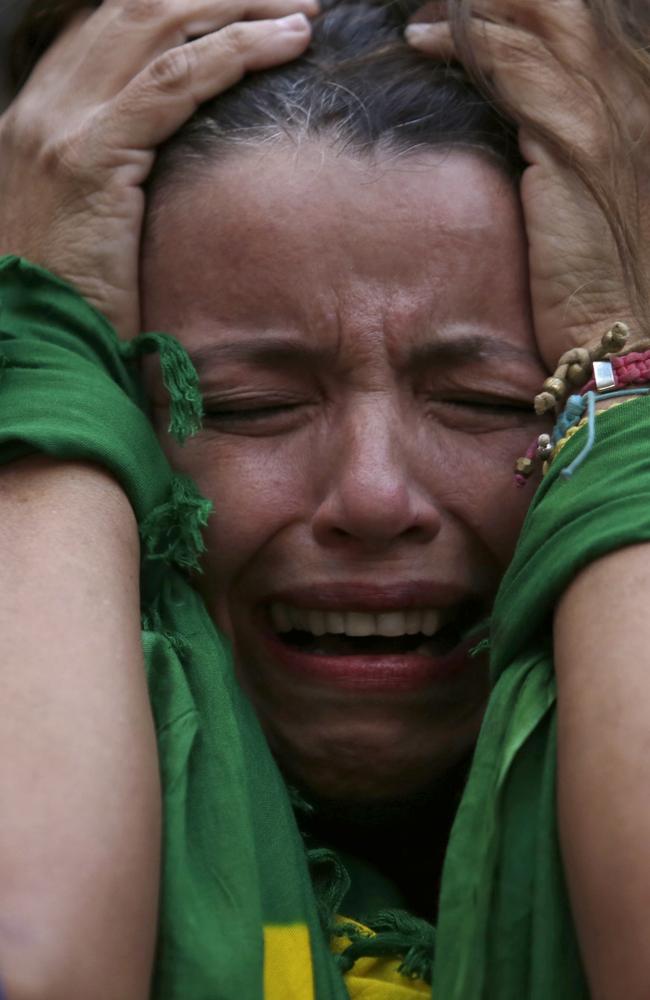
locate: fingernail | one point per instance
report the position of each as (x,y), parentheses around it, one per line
(417,32)
(294,22)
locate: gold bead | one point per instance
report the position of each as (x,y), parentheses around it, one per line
(543,403)
(616,338)
(576,356)
(576,374)
(555,386)
(524,466)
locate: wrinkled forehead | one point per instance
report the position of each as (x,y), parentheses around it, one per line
(307,237)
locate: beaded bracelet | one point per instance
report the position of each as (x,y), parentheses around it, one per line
(627,369)
(547,446)
(575,365)
(611,373)
(590,398)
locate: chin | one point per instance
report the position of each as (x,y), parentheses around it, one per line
(379,739)
(362,768)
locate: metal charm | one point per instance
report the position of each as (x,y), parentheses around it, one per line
(604,376)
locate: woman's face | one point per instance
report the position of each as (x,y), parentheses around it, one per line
(364,343)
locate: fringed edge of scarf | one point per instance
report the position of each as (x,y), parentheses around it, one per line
(172,532)
(151,621)
(391,934)
(179,377)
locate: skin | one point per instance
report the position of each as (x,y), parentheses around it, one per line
(555,70)
(542,59)
(79,796)
(79,141)
(88,122)
(372,472)
(80,838)
(603,810)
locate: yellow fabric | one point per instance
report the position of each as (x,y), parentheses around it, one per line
(288,969)
(569,434)
(377,978)
(287,963)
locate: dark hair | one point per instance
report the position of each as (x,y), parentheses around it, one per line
(360,86)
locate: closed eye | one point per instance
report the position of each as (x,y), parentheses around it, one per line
(253,417)
(498,405)
(475,414)
(250,413)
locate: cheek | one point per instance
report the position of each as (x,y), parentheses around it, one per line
(257,492)
(470,474)
(501,513)
(262,489)
(480,490)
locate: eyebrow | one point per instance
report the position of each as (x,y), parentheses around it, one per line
(465,348)
(461,350)
(258,350)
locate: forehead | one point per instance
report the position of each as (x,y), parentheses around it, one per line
(315,239)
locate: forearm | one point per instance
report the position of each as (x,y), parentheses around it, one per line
(79,796)
(602,658)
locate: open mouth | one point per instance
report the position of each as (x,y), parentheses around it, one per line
(386,653)
(426,632)
(345,645)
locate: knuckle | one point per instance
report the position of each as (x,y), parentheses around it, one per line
(22,131)
(236,38)
(71,157)
(173,68)
(9,133)
(147,10)
(62,159)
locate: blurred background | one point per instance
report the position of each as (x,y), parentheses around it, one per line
(10,12)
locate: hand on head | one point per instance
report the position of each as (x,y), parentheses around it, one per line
(79,141)
(575,87)
(410,245)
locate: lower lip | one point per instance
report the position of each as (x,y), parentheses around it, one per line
(388,674)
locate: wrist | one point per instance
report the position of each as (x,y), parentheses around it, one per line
(598,377)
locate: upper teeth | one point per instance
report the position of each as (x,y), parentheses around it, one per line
(357,623)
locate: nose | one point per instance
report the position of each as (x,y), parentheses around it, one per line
(374,491)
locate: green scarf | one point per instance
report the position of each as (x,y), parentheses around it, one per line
(239,917)
(244,910)
(505,929)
